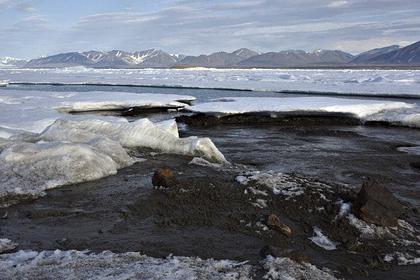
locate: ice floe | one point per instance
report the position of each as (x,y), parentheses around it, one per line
(399,113)
(360,82)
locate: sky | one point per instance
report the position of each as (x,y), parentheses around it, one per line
(34,28)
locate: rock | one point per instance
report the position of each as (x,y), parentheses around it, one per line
(415,165)
(377,205)
(163,177)
(274,222)
(273,251)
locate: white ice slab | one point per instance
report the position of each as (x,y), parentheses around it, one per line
(397,112)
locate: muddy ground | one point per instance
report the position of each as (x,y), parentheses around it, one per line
(210,215)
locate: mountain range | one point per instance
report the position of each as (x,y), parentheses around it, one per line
(394,56)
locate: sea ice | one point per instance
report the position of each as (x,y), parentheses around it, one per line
(327,81)
(395,112)
(33,111)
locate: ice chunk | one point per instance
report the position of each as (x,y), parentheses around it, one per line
(7,245)
(141,133)
(31,168)
(322,240)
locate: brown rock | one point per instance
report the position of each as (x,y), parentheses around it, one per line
(274,222)
(377,205)
(163,177)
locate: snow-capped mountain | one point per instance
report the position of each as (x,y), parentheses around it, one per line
(241,58)
(11,62)
(114,59)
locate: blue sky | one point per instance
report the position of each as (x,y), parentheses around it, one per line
(32,28)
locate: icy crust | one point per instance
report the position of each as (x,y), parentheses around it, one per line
(287,269)
(77,151)
(72,265)
(399,113)
(363,82)
(33,111)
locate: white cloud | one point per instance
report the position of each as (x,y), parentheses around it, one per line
(338,4)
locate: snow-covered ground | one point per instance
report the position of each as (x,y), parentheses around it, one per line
(399,113)
(364,82)
(106,265)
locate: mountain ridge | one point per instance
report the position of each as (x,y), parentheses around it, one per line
(241,58)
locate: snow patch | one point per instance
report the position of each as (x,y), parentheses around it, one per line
(287,269)
(279,183)
(322,240)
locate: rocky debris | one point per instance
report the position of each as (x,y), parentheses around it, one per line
(164,177)
(273,221)
(377,205)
